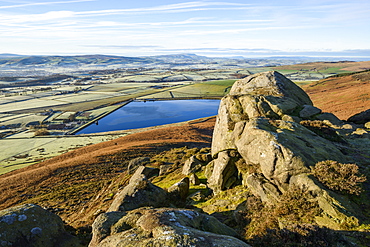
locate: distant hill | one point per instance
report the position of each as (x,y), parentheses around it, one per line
(340,66)
(70,60)
(8,55)
(343,95)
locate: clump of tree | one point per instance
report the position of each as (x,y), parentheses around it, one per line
(42,132)
(339,177)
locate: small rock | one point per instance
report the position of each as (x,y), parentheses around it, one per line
(197,196)
(208,170)
(180,189)
(191,165)
(360,118)
(309,111)
(194,179)
(330,117)
(139,193)
(148,172)
(164,169)
(137,162)
(291,118)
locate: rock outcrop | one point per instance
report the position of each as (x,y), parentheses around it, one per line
(162,227)
(260,121)
(140,192)
(361,118)
(31,225)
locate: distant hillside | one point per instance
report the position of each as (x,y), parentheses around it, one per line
(334,67)
(342,95)
(71,60)
(8,55)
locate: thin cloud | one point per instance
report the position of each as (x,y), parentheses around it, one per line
(42,3)
(170,8)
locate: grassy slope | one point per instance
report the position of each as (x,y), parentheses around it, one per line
(70,183)
(344,96)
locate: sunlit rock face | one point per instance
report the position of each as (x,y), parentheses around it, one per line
(260,122)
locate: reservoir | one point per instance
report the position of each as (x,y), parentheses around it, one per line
(140,114)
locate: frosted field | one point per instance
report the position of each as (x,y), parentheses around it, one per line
(26,151)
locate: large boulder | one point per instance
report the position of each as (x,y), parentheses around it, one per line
(270,83)
(260,121)
(162,227)
(267,94)
(30,225)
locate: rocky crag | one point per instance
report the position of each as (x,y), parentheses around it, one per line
(270,124)
(261,173)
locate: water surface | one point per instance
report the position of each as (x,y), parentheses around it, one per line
(140,114)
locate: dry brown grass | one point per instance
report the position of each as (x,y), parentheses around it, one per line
(71,182)
(343,96)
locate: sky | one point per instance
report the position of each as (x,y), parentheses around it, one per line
(251,28)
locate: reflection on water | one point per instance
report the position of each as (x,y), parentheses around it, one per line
(145,114)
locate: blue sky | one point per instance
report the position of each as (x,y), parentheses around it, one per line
(211,28)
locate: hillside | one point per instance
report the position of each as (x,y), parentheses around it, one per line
(57,183)
(342,95)
(253,169)
(329,67)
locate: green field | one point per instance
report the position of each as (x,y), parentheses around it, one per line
(196,90)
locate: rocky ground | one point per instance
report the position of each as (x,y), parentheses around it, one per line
(280,171)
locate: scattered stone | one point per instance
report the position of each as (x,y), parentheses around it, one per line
(180,190)
(348,127)
(197,196)
(163,227)
(289,118)
(309,111)
(191,165)
(225,173)
(134,163)
(164,169)
(194,180)
(331,118)
(139,193)
(360,118)
(148,172)
(101,227)
(31,225)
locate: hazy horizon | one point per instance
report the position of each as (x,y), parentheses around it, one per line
(211,28)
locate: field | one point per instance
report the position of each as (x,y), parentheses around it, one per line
(22,151)
(65,106)
(64,110)
(202,90)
